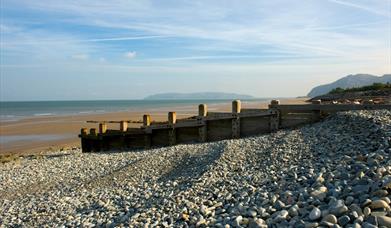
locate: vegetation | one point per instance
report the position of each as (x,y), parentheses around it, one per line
(374,86)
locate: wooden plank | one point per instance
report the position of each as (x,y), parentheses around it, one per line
(172,137)
(333,107)
(254,125)
(160,137)
(203,129)
(274,120)
(236,127)
(219,129)
(187,135)
(253,110)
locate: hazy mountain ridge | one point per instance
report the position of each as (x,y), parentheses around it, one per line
(349,81)
(196,96)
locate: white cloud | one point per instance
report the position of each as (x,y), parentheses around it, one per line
(131,54)
(80,56)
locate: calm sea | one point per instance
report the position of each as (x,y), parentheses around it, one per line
(11,111)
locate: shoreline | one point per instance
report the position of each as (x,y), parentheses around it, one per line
(43,133)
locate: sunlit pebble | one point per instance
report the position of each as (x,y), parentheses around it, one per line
(290,178)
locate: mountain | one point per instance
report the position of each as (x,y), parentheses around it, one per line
(349,81)
(197,96)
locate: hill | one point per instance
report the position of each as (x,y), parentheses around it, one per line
(197,96)
(350,81)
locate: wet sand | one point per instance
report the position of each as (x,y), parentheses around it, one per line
(40,134)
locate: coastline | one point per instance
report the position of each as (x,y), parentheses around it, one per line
(45,133)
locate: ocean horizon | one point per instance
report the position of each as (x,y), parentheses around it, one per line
(17,110)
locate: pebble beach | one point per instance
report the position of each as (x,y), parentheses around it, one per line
(334,173)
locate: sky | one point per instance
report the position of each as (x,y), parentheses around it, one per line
(128,49)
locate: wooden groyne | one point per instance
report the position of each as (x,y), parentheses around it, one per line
(210,126)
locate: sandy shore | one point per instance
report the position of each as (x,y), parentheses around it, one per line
(45,133)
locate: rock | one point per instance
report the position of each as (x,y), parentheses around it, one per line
(257,223)
(384,221)
(330,218)
(338,208)
(238,221)
(343,220)
(293,211)
(252,213)
(281,216)
(379,204)
(349,200)
(368,225)
(311,225)
(367,211)
(320,193)
(315,214)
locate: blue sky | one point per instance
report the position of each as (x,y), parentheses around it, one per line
(91,49)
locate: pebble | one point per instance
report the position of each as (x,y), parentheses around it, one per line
(315,214)
(343,220)
(333,173)
(330,218)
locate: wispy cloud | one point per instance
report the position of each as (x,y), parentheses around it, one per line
(130,54)
(80,56)
(195,37)
(383,12)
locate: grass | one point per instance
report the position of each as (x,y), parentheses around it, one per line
(374,86)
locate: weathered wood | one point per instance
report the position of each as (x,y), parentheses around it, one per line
(274,121)
(236,127)
(274,102)
(172,117)
(210,126)
(84,131)
(93,131)
(333,107)
(254,125)
(123,126)
(187,135)
(172,136)
(236,106)
(147,141)
(203,129)
(202,110)
(102,128)
(146,120)
(219,129)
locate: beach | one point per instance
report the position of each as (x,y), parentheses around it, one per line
(334,173)
(45,133)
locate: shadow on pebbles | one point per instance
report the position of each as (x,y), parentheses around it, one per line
(335,173)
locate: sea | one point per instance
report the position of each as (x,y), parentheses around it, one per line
(16,110)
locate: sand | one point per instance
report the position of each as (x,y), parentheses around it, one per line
(40,134)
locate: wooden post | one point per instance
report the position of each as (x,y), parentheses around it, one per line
(172,117)
(83,131)
(202,110)
(146,120)
(202,131)
(275,102)
(236,108)
(93,131)
(147,135)
(317,113)
(274,120)
(172,131)
(102,128)
(123,126)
